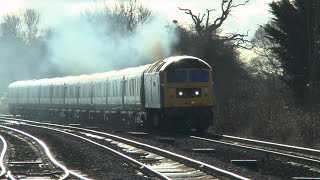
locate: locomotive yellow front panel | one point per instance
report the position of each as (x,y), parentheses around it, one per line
(195,89)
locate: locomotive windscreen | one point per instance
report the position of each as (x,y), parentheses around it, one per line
(182,76)
(198,76)
(177,76)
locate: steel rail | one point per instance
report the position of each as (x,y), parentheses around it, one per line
(3,153)
(286,147)
(297,158)
(48,153)
(137,163)
(177,157)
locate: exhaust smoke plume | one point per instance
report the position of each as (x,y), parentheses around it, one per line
(80,45)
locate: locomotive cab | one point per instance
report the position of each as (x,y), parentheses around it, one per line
(180,92)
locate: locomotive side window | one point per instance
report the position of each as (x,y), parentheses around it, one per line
(177,76)
(198,76)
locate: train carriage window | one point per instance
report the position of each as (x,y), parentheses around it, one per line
(176,76)
(74,91)
(198,76)
(138,86)
(55,92)
(98,90)
(124,88)
(62,91)
(106,90)
(86,91)
(94,90)
(28,92)
(78,90)
(101,88)
(114,89)
(47,92)
(39,94)
(134,86)
(111,87)
(42,92)
(34,92)
(22,92)
(69,92)
(58,91)
(130,87)
(83,91)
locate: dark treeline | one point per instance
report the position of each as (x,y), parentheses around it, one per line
(273,97)
(282,97)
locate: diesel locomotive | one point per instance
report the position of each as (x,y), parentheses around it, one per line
(173,93)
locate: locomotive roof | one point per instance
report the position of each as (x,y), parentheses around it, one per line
(174,62)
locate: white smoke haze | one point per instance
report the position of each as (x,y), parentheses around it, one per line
(79,46)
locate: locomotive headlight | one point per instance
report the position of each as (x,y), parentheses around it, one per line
(180,93)
(196,93)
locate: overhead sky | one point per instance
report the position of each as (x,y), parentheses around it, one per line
(243,18)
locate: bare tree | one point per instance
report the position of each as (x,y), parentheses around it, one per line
(11,27)
(266,58)
(127,14)
(31,19)
(207,29)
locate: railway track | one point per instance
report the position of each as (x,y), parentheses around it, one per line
(27,157)
(270,160)
(148,159)
(301,155)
